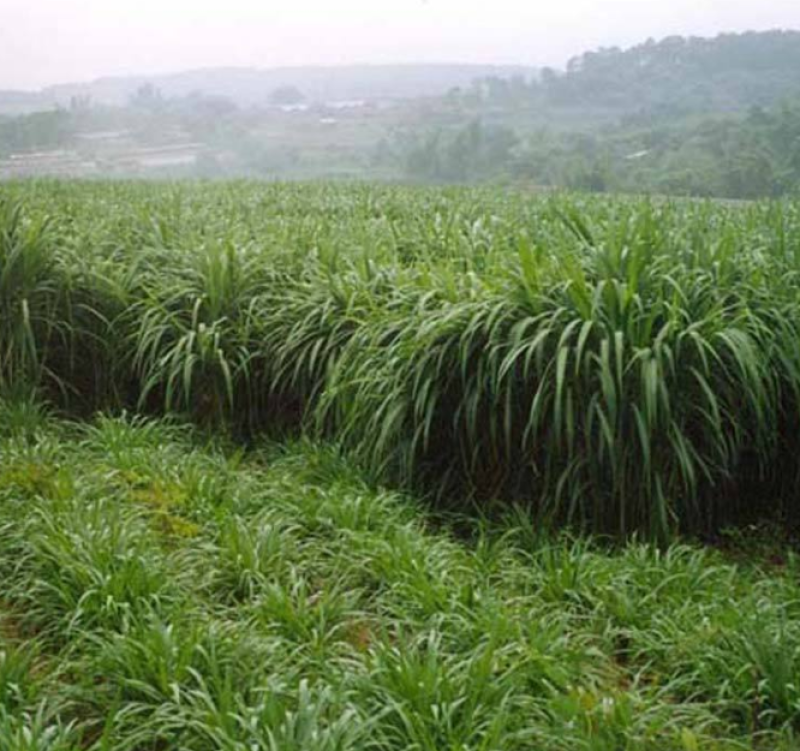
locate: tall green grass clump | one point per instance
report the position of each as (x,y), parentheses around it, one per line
(29,295)
(598,374)
(619,364)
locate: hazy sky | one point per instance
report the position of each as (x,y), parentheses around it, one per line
(51,41)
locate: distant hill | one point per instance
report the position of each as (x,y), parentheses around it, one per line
(249,86)
(730,72)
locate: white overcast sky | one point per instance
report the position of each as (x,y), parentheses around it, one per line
(53,41)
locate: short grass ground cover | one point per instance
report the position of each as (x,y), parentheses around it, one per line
(165,590)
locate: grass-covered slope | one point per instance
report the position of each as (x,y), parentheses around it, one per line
(626,365)
(162,592)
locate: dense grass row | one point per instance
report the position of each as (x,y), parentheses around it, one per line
(163,593)
(626,365)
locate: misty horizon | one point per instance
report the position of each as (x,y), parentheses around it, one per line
(46,43)
(343,66)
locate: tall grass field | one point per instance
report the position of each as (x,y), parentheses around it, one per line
(332,467)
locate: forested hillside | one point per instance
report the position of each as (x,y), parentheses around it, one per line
(705,117)
(678,75)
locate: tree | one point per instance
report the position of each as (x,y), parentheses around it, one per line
(147,97)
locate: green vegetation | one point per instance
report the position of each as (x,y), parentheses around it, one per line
(165,591)
(39,130)
(744,157)
(625,366)
(696,117)
(678,75)
(336,468)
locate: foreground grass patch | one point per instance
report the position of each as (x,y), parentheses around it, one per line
(287,604)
